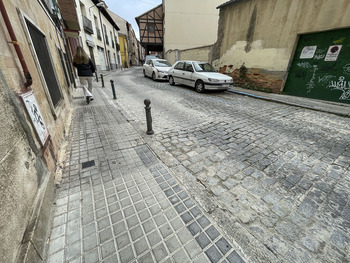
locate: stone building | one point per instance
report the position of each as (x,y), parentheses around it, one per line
(36,84)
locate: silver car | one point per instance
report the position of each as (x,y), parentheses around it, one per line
(156,69)
(200,75)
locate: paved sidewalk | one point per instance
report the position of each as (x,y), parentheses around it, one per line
(341,109)
(118,203)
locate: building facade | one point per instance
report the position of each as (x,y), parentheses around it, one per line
(298,47)
(122,38)
(36,85)
(151,30)
(99,35)
(189,25)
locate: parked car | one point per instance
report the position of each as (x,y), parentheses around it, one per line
(148,57)
(200,75)
(156,69)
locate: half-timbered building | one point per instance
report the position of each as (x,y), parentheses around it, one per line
(151,29)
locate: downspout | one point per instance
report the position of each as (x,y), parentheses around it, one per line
(16,45)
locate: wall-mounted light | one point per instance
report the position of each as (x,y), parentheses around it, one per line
(100,4)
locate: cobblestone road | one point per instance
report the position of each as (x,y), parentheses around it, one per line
(276,178)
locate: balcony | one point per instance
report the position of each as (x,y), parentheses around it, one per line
(88,25)
(98,33)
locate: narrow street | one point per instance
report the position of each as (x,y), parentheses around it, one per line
(274,177)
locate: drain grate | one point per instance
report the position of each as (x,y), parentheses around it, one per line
(87,164)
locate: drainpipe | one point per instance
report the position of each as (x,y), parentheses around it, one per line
(16,45)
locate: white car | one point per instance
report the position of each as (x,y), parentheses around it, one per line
(156,68)
(200,75)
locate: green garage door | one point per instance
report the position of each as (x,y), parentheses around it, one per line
(321,67)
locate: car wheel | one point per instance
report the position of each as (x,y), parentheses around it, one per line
(144,74)
(154,76)
(171,81)
(200,86)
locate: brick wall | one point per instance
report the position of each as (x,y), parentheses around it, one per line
(255,78)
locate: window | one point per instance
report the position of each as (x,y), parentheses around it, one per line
(151,28)
(189,67)
(180,65)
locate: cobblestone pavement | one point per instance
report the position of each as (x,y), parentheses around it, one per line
(118,203)
(274,177)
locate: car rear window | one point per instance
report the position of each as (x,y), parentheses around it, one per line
(162,63)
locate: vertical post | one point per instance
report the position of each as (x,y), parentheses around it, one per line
(148,117)
(113,90)
(103,83)
(96,77)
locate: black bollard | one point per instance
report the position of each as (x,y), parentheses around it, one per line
(113,90)
(103,83)
(96,77)
(148,117)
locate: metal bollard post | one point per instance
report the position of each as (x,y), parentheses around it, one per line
(103,83)
(148,117)
(113,90)
(96,77)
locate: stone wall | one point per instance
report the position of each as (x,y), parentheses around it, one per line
(198,54)
(255,78)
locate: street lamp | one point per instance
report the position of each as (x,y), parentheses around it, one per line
(100,4)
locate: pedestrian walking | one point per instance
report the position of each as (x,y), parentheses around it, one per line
(86,70)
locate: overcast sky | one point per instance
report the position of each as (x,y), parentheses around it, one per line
(129,9)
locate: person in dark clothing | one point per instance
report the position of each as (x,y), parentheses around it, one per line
(86,70)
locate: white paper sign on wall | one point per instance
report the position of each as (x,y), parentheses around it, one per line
(308,52)
(34,112)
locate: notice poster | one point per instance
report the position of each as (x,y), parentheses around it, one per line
(308,52)
(332,53)
(35,114)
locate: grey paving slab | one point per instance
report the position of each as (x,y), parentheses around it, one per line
(118,203)
(274,175)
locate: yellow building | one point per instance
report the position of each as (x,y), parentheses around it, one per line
(124,50)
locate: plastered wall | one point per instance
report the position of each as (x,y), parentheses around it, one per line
(25,166)
(262,34)
(190,24)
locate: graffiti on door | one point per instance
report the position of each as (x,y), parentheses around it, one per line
(342,85)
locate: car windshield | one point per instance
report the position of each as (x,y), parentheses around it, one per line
(161,63)
(203,67)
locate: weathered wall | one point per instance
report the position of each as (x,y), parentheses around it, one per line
(190,24)
(25,167)
(262,34)
(198,54)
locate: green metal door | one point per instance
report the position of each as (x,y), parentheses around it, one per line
(321,67)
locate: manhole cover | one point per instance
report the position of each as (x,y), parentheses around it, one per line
(88,164)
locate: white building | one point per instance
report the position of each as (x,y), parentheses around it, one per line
(99,34)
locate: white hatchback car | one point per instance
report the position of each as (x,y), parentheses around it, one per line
(156,68)
(200,75)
